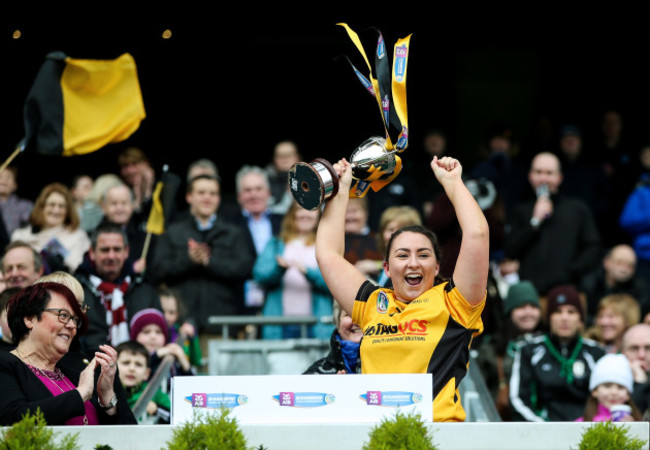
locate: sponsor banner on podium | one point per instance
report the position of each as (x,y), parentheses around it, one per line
(303,398)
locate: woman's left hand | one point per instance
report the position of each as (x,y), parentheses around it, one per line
(107,359)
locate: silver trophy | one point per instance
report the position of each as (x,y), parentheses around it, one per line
(313,183)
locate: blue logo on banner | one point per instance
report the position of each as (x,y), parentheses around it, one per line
(381,48)
(220,400)
(400,62)
(304,399)
(391,398)
(366,83)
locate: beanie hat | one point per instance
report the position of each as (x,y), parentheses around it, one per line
(563,295)
(520,294)
(146,317)
(612,368)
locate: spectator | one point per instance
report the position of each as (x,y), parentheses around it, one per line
(149,328)
(180,330)
(134,371)
(91,212)
(112,290)
(636,347)
(288,269)
(36,375)
(360,240)
(21,264)
(79,189)
(343,356)
(554,237)
(523,322)
(257,221)
(6,343)
(117,207)
(434,143)
(615,314)
(610,385)
(635,217)
(54,230)
(550,375)
(15,210)
(616,275)
(202,256)
(503,169)
(583,178)
(137,173)
(285,155)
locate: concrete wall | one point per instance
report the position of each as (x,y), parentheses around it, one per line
(447,436)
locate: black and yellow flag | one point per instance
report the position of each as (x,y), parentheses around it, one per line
(77,106)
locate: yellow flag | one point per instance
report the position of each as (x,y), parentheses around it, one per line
(156,220)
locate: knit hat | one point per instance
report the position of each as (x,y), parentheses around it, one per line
(520,294)
(563,295)
(146,317)
(612,368)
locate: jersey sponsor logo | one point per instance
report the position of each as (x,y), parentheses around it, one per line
(216,400)
(412,327)
(382,303)
(304,399)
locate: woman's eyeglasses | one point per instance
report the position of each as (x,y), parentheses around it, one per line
(65,317)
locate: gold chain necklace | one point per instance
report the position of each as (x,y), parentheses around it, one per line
(57,371)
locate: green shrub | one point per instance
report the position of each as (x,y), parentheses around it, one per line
(609,436)
(403,432)
(208,431)
(31,432)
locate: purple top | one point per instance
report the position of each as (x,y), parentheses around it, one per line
(58,383)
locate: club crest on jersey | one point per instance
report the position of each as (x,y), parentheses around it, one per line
(382,303)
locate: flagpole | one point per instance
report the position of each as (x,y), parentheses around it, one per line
(145,249)
(19,149)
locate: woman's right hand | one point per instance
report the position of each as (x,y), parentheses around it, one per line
(87,381)
(344,171)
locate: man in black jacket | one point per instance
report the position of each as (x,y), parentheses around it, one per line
(113,292)
(205,258)
(550,375)
(554,237)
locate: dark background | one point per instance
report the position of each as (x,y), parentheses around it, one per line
(229,85)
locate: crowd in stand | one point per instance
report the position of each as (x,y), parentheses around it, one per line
(568,282)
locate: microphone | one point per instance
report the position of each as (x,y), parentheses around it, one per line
(542,191)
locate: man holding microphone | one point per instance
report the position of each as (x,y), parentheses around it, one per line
(554,237)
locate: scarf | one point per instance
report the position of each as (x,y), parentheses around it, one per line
(112,297)
(566,364)
(350,354)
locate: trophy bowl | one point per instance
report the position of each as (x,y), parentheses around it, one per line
(313,183)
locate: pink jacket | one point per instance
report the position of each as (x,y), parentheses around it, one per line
(602,415)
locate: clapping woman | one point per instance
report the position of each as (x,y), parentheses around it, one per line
(44,319)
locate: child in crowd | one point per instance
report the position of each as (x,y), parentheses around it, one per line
(611,385)
(181,331)
(149,328)
(133,367)
(6,343)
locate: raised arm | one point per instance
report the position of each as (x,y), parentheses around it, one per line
(473,263)
(341,277)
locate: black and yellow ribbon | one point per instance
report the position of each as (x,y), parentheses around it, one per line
(388,87)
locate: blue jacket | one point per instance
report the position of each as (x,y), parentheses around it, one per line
(269,274)
(635,219)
